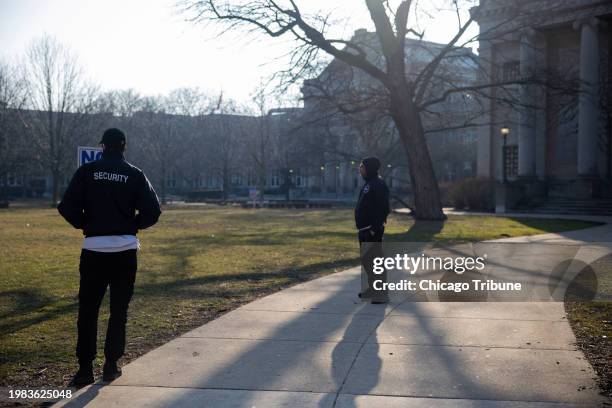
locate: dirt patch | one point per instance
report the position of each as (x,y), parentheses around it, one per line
(592,325)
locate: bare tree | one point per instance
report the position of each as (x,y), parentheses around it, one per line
(60,100)
(288,149)
(260,140)
(122,103)
(410,92)
(192,106)
(170,134)
(160,146)
(392,28)
(12,99)
(190,102)
(226,131)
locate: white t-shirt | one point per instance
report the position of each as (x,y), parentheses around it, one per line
(111,243)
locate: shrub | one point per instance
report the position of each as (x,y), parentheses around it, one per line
(474,194)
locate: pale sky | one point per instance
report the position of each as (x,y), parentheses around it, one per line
(146,44)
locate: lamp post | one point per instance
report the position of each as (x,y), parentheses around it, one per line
(322,180)
(336,178)
(504,132)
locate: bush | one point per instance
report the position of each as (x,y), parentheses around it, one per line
(202,195)
(446,188)
(474,194)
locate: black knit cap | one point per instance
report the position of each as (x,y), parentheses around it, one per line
(372,165)
(113,137)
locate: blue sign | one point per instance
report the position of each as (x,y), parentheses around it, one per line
(88,154)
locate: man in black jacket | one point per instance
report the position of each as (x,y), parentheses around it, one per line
(371,214)
(110,200)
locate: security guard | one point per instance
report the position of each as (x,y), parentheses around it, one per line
(110,200)
(371,214)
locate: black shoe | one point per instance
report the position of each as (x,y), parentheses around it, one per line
(82,377)
(367,294)
(110,372)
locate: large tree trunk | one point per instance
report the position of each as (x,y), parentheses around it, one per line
(427,201)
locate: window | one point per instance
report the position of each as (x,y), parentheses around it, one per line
(236,179)
(171,180)
(252,178)
(299,179)
(511,71)
(14,180)
(213,181)
(511,161)
(275,179)
(198,181)
(449,173)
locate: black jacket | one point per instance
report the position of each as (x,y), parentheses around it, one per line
(103,197)
(372,206)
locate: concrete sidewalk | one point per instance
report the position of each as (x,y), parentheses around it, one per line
(317,345)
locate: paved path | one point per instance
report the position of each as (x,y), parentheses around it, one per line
(317,345)
(585,217)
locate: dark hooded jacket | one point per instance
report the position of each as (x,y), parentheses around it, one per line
(110,197)
(372,206)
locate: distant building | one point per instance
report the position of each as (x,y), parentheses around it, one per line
(294,153)
(559,145)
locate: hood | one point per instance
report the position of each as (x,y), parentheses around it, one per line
(372,165)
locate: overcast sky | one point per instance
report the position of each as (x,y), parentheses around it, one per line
(147,44)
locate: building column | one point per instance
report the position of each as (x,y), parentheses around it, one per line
(527,108)
(541,126)
(588,102)
(485,153)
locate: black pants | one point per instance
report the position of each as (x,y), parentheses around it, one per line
(100,270)
(371,247)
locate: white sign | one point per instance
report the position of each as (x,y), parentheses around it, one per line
(88,154)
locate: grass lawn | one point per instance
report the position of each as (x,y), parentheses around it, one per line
(197,263)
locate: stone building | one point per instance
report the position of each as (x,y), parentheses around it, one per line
(340,89)
(559,141)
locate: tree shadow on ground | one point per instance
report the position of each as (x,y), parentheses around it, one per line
(276,363)
(28,307)
(228,239)
(419,231)
(26,302)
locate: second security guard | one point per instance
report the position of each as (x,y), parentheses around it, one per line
(371,214)
(110,200)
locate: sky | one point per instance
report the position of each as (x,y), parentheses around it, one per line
(149,46)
